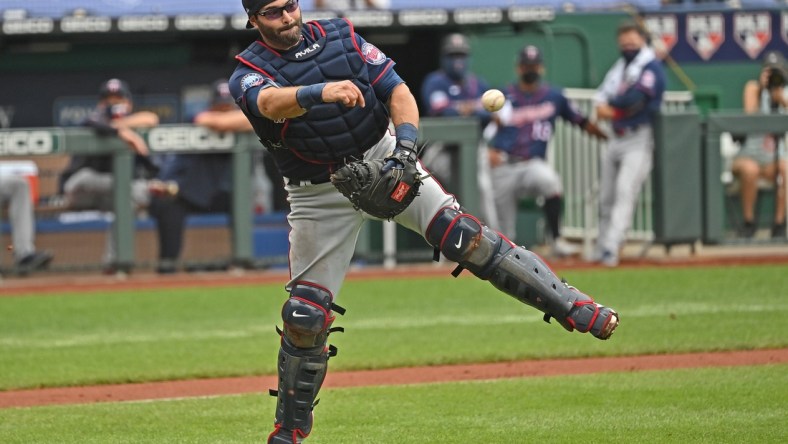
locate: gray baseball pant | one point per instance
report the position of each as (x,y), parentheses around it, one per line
(325,226)
(625,167)
(15,190)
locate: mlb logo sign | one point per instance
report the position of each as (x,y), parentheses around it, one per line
(705,33)
(663,30)
(752,31)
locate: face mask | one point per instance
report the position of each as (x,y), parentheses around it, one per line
(629,54)
(530,77)
(454,67)
(117,110)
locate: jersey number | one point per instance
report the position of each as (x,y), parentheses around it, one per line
(542,131)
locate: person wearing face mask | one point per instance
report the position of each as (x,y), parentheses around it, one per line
(451,91)
(517,152)
(87,181)
(629,97)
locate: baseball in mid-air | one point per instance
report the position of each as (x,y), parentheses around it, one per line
(493,100)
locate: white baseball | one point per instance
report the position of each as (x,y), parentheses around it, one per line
(493,100)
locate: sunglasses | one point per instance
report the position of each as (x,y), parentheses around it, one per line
(276,13)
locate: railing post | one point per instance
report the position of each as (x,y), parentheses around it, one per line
(123,220)
(242,202)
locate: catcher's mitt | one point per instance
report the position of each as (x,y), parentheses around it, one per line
(378,191)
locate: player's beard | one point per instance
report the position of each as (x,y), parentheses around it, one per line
(283,38)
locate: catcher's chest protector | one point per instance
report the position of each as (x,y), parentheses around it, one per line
(329,132)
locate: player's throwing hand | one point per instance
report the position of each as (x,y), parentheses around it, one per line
(345,92)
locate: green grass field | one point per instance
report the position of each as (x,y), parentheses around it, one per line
(78,339)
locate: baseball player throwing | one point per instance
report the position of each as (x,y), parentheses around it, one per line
(321,98)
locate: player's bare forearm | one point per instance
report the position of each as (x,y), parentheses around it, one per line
(284,103)
(279,103)
(591,128)
(403,107)
(605,112)
(135,142)
(223,121)
(140,119)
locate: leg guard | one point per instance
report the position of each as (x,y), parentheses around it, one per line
(303,360)
(517,272)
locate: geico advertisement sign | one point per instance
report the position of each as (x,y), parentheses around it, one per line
(24,143)
(189,139)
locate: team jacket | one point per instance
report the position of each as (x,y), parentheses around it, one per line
(329,134)
(637,101)
(526,132)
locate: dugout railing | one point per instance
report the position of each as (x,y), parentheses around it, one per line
(574,154)
(41,143)
(36,143)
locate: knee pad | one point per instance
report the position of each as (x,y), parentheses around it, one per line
(464,239)
(307,316)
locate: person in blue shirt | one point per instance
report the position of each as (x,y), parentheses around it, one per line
(318,96)
(629,97)
(451,91)
(518,151)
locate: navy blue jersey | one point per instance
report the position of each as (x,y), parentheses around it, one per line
(526,132)
(638,103)
(297,157)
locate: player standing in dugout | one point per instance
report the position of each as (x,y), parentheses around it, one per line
(321,100)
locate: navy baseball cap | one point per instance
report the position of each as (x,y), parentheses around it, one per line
(530,55)
(114,87)
(252,6)
(455,44)
(220,93)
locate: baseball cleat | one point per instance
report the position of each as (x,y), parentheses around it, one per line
(589,317)
(610,325)
(284,436)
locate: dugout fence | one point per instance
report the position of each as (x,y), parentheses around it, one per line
(574,154)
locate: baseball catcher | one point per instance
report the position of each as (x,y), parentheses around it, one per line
(381,187)
(319,95)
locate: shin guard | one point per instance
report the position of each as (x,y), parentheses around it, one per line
(303,360)
(517,272)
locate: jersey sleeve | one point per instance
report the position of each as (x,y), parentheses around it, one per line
(382,76)
(569,111)
(245,86)
(649,82)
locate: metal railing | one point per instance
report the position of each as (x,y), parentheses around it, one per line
(33,142)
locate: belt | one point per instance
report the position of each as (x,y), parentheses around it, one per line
(317,180)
